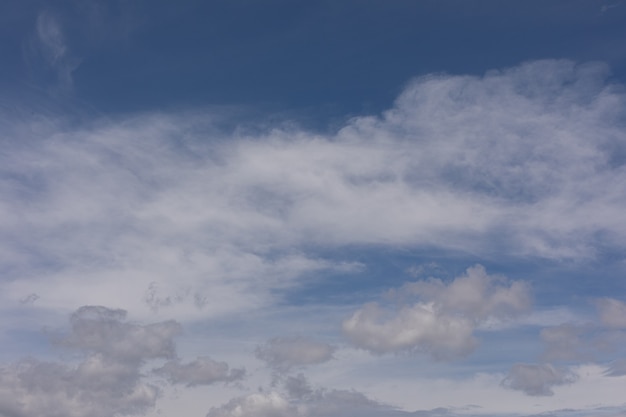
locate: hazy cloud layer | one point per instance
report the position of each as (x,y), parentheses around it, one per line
(443,319)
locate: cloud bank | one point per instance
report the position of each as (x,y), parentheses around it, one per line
(526,161)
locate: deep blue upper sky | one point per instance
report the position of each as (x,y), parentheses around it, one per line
(328,59)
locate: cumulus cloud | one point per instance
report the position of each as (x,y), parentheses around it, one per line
(107,380)
(476,294)
(202,371)
(442,322)
(537,379)
(107,376)
(282,354)
(95,388)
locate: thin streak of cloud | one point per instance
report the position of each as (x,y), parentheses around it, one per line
(48,52)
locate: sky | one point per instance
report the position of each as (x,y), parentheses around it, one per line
(289,208)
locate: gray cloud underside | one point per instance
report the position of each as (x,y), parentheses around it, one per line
(202,371)
(536,379)
(282,354)
(528,160)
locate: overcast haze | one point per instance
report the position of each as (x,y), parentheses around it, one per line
(312,208)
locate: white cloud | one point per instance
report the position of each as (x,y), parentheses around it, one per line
(476,294)
(414,328)
(537,379)
(442,322)
(282,354)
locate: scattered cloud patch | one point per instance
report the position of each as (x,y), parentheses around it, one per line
(96,387)
(442,321)
(202,371)
(105,331)
(537,379)
(475,294)
(283,354)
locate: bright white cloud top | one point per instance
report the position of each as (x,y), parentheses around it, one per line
(138,228)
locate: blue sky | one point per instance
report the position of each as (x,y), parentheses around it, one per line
(312,209)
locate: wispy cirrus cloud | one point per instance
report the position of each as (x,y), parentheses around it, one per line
(48,54)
